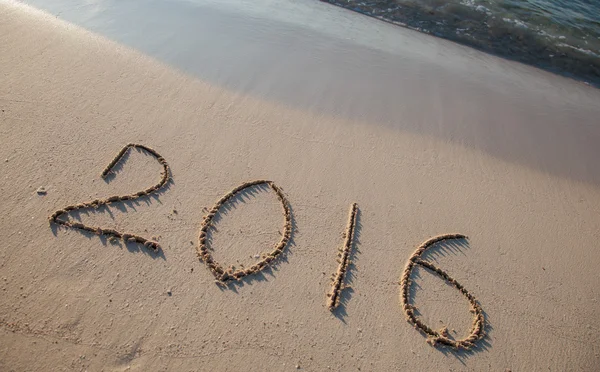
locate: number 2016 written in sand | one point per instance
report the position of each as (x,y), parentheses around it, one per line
(224,275)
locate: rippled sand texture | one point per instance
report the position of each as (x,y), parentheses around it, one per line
(70,100)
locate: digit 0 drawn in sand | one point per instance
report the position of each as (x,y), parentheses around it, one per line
(440,337)
(333,297)
(225,275)
(127,238)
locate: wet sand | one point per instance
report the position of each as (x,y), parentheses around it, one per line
(469,144)
(316,57)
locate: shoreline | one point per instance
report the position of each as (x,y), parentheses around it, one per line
(567,61)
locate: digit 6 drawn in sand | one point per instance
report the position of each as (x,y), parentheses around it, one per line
(435,337)
(165,177)
(204,254)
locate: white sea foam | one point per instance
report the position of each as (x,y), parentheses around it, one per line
(584,51)
(516,22)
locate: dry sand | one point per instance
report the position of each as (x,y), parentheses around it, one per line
(70,100)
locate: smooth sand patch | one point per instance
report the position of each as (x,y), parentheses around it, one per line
(70,101)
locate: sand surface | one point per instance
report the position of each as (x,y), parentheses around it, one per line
(71,100)
(316,57)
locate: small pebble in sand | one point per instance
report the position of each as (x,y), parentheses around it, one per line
(41,190)
(169,292)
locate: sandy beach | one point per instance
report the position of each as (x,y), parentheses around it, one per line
(442,140)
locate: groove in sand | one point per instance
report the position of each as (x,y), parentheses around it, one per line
(344,252)
(126,237)
(441,336)
(225,275)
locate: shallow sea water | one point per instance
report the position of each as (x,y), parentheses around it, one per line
(556,35)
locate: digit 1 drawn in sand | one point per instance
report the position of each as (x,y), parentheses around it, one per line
(204,254)
(441,337)
(333,297)
(165,177)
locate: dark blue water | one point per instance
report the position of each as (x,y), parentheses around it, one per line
(557,35)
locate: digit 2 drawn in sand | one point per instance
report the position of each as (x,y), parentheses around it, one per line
(441,337)
(204,254)
(165,177)
(344,252)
